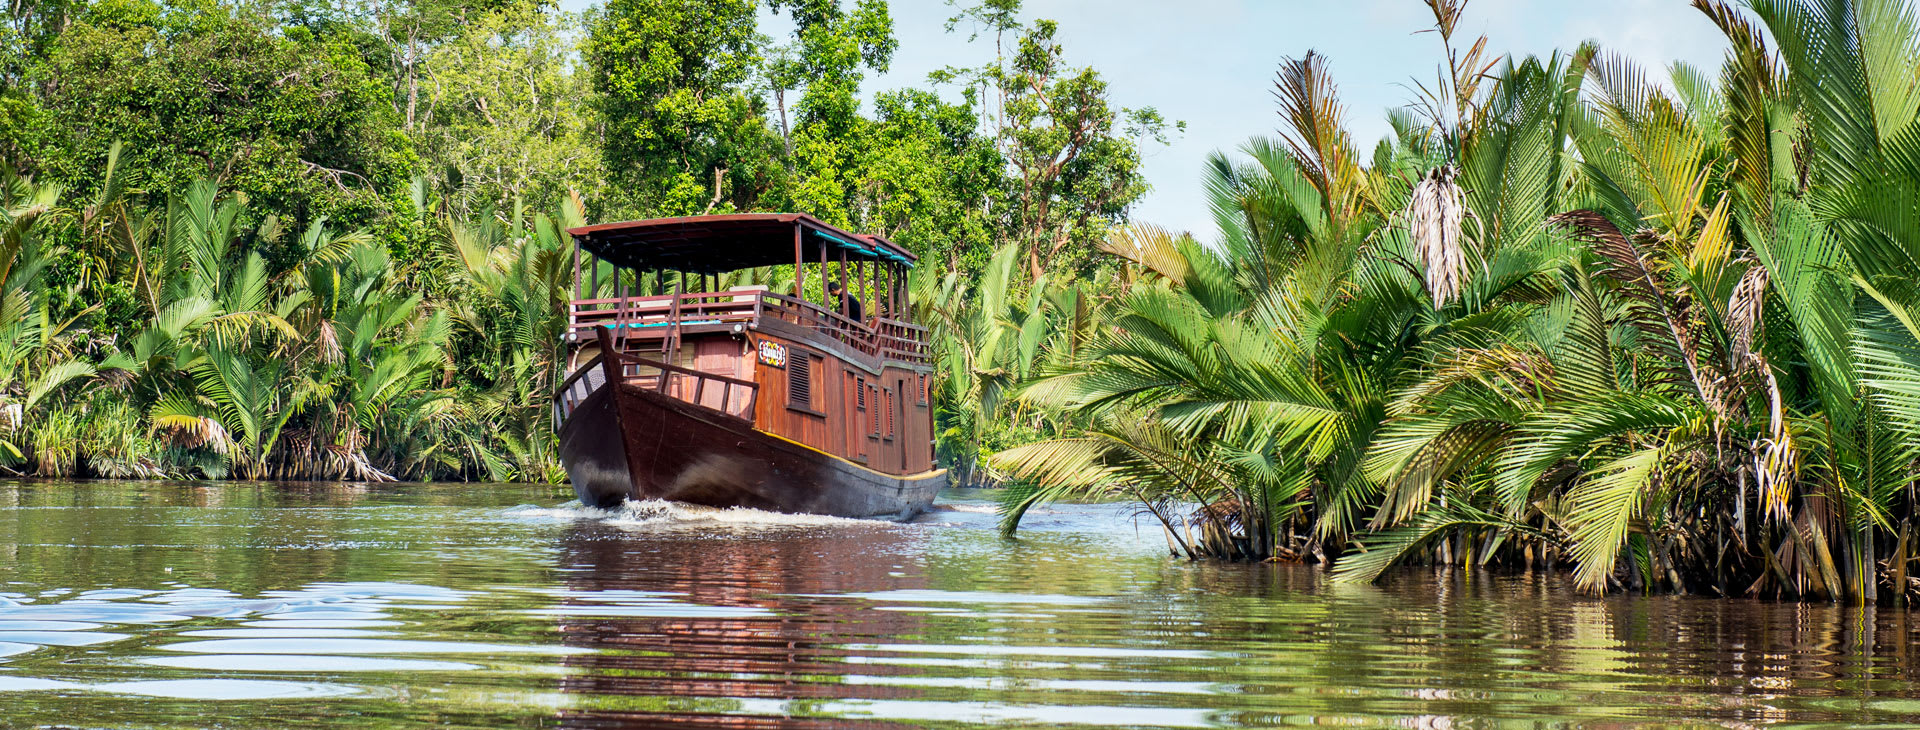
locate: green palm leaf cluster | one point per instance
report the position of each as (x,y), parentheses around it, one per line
(328,361)
(1659,332)
(990,335)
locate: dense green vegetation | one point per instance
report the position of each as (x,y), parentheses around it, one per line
(1657,329)
(1663,334)
(318,240)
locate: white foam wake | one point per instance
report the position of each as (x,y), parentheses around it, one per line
(968,507)
(655,513)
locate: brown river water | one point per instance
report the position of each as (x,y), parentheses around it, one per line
(275,606)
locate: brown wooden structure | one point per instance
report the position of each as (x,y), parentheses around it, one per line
(744,396)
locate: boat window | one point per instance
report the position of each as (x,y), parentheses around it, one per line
(800,380)
(889,414)
(923,390)
(874,423)
(860,393)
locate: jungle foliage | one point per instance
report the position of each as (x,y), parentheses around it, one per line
(1659,332)
(326,240)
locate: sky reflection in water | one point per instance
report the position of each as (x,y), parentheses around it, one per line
(428,606)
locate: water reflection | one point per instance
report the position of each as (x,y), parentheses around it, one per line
(751,653)
(249,606)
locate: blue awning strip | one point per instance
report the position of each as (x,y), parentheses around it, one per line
(876,252)
(843,243)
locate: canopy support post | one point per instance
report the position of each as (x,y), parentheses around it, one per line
(799,267)
(620,310)
(673,330)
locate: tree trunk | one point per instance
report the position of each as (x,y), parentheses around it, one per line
(786,135)
(413,75)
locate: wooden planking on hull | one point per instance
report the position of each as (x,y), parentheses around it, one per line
(672,450)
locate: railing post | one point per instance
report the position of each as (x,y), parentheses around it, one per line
(609,358)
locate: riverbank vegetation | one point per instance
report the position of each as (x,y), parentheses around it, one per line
(325,241)
(1655,326)
(1658,328)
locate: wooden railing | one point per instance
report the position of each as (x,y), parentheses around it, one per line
(736,397)
(655,317)
(584,380)
(902,340)
(660,312)
(729,395)
(827,322)
(732,396)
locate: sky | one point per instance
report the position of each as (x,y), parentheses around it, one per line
(1211,63)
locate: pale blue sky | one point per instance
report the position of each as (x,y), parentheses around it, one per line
(1211,63)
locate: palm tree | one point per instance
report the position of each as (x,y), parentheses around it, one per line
(37,355)
(515,279)
(1711,417)
(990,337)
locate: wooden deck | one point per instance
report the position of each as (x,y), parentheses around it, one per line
(660,318)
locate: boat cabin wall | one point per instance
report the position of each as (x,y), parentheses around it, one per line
(881,420)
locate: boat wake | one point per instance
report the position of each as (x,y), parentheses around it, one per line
(978,508)
(659,514)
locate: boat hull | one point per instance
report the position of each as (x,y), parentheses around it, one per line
(628,442)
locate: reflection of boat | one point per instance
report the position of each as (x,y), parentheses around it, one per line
(709,669)
(746,397)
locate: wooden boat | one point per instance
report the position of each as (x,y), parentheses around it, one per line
(745,397)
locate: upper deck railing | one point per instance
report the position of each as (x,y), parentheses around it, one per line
(658,316)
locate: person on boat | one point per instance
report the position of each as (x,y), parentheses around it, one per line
(849,304)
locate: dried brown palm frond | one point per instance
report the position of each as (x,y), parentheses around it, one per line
(1446,15)
(353,464)
(1314,130)
(1744,311)
(1620,253)
(327,341)
(1434,213)
(1151,246)
(1777,461)
(117,378)
(1451,104)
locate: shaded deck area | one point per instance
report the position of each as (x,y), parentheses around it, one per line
(652,322)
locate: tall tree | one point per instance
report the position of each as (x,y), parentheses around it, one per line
(505,117)
(833,49)
(297,122)
(684,133)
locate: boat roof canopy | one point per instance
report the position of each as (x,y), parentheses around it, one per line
(712,244)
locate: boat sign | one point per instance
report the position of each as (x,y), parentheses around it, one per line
(773,353)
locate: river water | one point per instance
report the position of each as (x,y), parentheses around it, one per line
(262,606)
